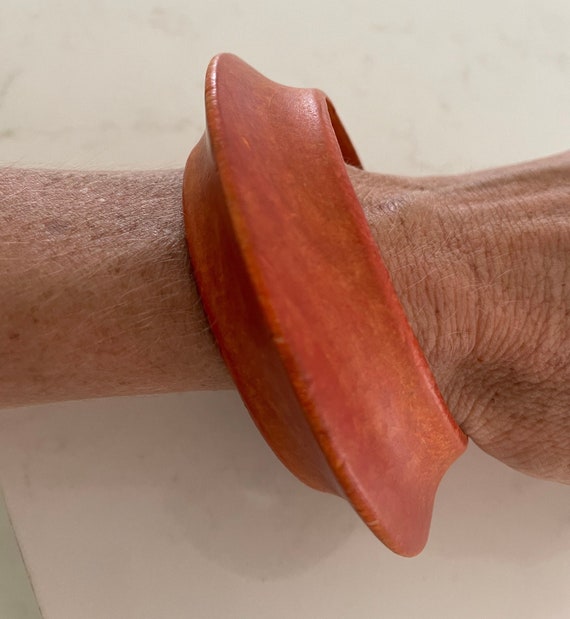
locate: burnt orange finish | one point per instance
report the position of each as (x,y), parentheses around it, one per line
(303,309)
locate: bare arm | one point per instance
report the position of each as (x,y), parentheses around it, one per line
(95,289)
(97,298)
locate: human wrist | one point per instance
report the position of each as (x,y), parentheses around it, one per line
(416,236)
(480,263)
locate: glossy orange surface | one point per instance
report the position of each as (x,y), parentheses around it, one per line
(302,306)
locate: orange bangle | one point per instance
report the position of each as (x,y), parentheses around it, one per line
(303,308)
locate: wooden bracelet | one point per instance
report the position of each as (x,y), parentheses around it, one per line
(303,308)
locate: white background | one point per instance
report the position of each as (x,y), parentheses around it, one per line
(173,507)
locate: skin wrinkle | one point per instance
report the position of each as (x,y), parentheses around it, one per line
(481,263)
(97,297)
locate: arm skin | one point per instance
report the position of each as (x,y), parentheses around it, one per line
(96,296)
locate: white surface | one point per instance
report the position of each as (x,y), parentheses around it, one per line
(172,507)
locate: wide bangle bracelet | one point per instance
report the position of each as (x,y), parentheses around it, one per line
(303,308)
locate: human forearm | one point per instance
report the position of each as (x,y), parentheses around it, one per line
(96,295)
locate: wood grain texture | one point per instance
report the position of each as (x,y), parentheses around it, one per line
(302,306)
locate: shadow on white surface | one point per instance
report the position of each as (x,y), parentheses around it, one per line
(147,507)
(219,486)
(198,463)
(241,508)
(494,512)
(503,538)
